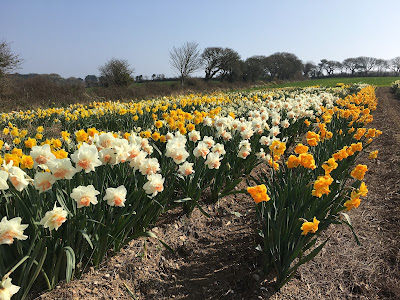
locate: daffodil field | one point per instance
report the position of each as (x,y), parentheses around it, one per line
(79,181)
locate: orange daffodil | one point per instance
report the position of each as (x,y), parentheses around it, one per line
(359,172)
(355,197)
(258,193)
(310,226)
(321,186)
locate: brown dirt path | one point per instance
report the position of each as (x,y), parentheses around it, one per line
(215,258)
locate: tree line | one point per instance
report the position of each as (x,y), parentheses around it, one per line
(224,64)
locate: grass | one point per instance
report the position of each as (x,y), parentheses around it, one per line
(331,82)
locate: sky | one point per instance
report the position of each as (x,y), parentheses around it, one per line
(73,38)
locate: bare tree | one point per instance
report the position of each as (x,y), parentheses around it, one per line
(382,65)
(395,65)
(366,64)
(116,72)
(8,60)
(186,59)
(351,64)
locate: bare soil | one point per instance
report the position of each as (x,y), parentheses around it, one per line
(215,257)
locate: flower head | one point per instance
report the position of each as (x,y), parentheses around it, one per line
(359,172)
(310,226)
(116,196)
(43,181)
(258,193)
(86,158)
(186,168)
(154,185)
(7,289)
(10,229)
(84,195)
(53,219)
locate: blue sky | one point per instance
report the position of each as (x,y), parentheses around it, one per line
(73,38)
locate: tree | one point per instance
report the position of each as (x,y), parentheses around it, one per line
(329,66)
(116,72)
(185,59)
(255,67)
(351,64)
(366,64)
(283,65)
(8,60)
(231,65)
(309,69)
(91,80)
(382,65)
(212,59)
(395,65)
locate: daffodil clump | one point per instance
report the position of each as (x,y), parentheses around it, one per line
(314,187)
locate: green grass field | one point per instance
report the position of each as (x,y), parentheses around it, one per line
(331,82)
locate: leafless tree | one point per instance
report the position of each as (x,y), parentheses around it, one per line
(351,64)
(366,64)
(8,60)
(381,65)
(395,65)
(186,59)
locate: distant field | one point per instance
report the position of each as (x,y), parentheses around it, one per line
(330,82)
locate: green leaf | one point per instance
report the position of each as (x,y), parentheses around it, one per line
(70,255)
(35,274)
(86,237)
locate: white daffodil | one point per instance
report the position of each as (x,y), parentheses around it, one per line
(43,181)
(116,196)
(10,229)
(41,156)
(149,166)
(201,150)
(86,158)
(18,178)
(194,136)
(62,168)
(186,168)
(3,180)
(53,219)
(84,195)
(213,161)
(7,289)
(218,148)
(154,185)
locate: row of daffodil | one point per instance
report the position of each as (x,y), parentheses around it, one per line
(117,116)
(310,189)
(59,194)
